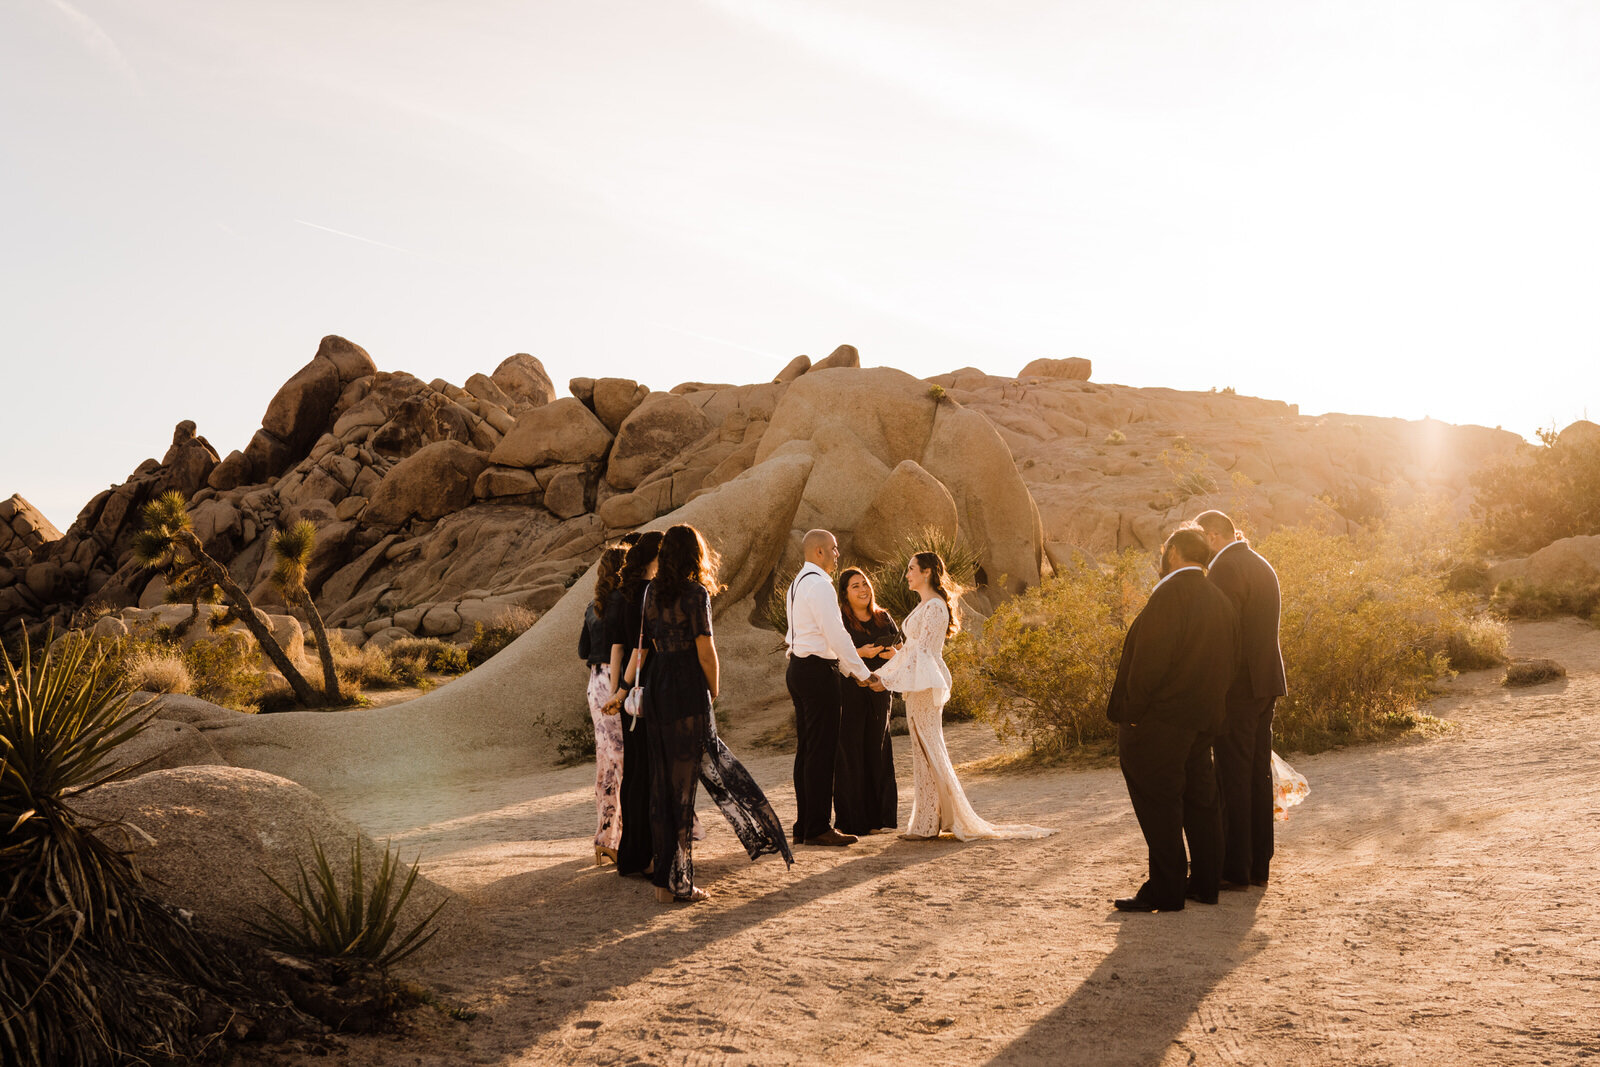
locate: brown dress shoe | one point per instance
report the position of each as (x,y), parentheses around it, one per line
(831,837)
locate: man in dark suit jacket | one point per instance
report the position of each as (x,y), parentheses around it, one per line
(1177,662)
(1244,745)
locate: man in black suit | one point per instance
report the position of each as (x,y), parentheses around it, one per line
(1177,662)
(1244,744)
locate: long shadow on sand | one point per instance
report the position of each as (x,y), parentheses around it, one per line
(1146,989)
(596,934)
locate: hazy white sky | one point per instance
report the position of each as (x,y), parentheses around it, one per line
(1381,206)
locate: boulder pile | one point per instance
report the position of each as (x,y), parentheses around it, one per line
(439,508)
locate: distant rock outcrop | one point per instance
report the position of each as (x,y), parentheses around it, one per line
(438,506)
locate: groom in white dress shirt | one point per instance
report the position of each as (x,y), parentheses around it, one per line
(819,648)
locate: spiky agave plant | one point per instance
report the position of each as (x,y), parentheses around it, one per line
(167,543)
(889,577)
(293,548)
(93,968)
(356,924)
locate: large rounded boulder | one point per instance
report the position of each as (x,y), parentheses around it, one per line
(652,436)
(563,431)
(210,836)
(435,480)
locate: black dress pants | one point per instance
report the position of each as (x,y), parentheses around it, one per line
(814,688)
(1244,778)
(1174,791)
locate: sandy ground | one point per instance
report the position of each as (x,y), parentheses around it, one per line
(1433,902)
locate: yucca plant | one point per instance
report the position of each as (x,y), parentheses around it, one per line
(167,543)
(889,577)
(93,968)
(293,548)
(355,924)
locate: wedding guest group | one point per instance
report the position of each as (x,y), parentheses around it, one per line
(1195,688)
(675,665)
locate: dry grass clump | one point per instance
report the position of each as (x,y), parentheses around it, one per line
(507,626)
(155,671)
(361,668)
(411,657)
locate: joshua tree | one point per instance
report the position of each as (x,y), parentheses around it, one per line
(168,544)
(293,548)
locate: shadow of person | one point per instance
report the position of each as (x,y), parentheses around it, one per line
(1145,991)
(594,935)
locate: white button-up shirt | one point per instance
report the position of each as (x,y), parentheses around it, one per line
(816,627)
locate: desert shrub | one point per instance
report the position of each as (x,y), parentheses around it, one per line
(93,968)
(155,670)
(572,734)
(1043,666)
(1542,494)
(1477,642)
(1367,629)
(427,654)
(226,670)
(349,918)
(1518,599)
(1116,437)
(509,625)
(360,668)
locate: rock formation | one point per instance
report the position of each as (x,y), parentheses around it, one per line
(439,506)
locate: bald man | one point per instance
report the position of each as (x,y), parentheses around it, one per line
(819,648)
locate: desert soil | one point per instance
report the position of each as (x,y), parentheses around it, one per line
(1433,902)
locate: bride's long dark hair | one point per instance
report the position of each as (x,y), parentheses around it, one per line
(939,578)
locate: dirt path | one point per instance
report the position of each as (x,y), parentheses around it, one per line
(1432,902)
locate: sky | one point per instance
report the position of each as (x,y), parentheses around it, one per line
(1385,207)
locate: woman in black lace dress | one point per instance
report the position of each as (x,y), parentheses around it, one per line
(623,622)
(680,681)
(865,795)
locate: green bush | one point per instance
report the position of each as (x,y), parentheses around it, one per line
(1043,666)
(1541,495)
(347,919)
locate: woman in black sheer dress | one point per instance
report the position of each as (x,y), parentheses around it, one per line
(623,622)
(865,795)
(681,680)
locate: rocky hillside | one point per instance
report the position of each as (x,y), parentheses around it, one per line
(438,505)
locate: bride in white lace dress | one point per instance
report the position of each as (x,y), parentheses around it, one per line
(918,671)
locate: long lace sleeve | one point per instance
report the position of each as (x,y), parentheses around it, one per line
(919,664)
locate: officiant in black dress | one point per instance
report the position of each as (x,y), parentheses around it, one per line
(865,794)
